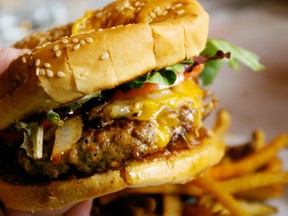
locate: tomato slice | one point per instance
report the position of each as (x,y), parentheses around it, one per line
(150,87)
(195,72)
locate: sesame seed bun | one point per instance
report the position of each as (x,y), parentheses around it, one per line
(182,167)
(72,67)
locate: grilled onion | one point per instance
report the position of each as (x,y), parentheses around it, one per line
(66,136)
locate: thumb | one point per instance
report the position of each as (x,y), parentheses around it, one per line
(7,55)
(83,209)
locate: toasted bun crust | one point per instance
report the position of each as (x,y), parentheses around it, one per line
(39,38)
(179,168)
(163,33)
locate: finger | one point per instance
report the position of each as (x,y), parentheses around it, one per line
(12,212)
(7,55)
(83,209)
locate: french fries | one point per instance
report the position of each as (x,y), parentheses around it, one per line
(252,162)
(239,185)
(253,181)
(222,123)
(223,196)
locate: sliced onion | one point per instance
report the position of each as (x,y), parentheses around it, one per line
(66,136)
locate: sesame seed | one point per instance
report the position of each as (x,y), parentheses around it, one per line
(113,27)
(29,52)
(37,62)
(49,73)
(37,71)
(47,43)
(119,8)
(42,72)
(159,12)
(76,47)
(75,40)
(38,47)
(47,65)
(89,40)
(82,42)
(31,60)
(104,56)
(58,53)
(168,6)
(100,30)
(24,60)
(137,4)
(65,40)
(68,45)
(165,13)
(179,12)
(61,74)
(152,15)
(178,5)
(156,9)
(126,4)
(149,20)
(55,48)
(99,15)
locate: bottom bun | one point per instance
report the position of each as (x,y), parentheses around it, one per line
(181,167)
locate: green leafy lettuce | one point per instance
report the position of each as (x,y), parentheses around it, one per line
(238,55)
(166,76)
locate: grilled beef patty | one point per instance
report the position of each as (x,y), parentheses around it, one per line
(109,147)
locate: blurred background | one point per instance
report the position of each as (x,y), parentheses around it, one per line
(255,100)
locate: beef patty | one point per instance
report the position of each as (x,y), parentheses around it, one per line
(109,147)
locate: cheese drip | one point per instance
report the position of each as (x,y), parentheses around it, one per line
(156,107)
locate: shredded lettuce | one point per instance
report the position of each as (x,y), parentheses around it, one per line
(33,138)
(238,54)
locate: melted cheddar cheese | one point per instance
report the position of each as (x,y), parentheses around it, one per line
(156,107)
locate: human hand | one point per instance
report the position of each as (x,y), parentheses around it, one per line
(82,208)
(7,55)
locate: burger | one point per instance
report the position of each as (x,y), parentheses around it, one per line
(111,101)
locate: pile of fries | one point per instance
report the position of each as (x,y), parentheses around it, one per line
(241,184)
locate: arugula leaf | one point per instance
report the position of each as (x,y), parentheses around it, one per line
(238,54)
(77,104)
(210,71)
(177,68)
(165,76)
(246,57)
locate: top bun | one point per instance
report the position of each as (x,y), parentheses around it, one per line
(118,43)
